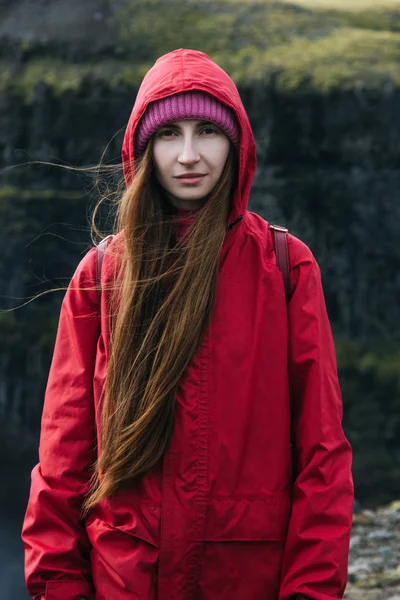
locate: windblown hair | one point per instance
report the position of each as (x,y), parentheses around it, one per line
(161,306)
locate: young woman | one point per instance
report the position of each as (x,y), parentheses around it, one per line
(191,443)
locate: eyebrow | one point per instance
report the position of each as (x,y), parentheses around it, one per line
(199,124)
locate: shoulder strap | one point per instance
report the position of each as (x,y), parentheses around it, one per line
(100,250)
(281,250)
(282,255)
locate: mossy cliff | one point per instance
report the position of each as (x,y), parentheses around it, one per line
(322,89)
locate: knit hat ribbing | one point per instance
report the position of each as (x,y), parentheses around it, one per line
(185,106)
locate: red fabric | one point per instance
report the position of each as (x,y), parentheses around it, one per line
(253,498)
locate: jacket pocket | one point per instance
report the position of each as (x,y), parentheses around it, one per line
(61,589)
(142,524)
(124,555)
(263,518)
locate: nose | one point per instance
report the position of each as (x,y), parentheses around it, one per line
(188,154)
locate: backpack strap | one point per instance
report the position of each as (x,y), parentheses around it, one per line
(100,250)
(281,250)
(282,255)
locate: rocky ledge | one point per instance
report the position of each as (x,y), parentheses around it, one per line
(374,567)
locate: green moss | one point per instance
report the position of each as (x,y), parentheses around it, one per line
(337,5)
(383,364)
(251,40)
(346,58)
(6,74)
(61,77)
(10,193)
(149,28)
(55,74)
(378,20)
(58,76)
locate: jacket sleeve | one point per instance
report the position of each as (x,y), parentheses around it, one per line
(316,552)
(57,550)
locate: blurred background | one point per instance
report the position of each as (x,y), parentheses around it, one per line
(320,80)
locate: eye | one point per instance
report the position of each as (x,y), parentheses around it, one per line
(209,129)
(166,133)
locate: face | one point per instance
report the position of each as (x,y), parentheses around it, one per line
(189,157)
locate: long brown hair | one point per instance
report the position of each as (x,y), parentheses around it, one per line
(162,303)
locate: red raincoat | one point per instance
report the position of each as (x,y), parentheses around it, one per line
(253,499)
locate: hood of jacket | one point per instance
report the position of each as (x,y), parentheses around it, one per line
(181,71)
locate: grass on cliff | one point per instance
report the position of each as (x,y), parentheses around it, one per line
(324,45)
(61,77)
(355,5)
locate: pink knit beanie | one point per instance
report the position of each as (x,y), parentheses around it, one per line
(185,106)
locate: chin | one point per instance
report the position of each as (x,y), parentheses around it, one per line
(190,196)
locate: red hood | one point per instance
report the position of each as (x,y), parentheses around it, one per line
(180,71)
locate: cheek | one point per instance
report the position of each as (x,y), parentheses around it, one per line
(220,153)
(220,161)
(160,159)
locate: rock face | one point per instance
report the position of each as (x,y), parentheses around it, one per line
(69,27)
(374,567)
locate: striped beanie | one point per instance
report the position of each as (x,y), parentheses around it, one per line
(185,106)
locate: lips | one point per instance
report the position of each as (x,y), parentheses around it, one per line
(190,179)
(190,176)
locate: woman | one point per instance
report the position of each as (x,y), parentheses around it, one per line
(191,445)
